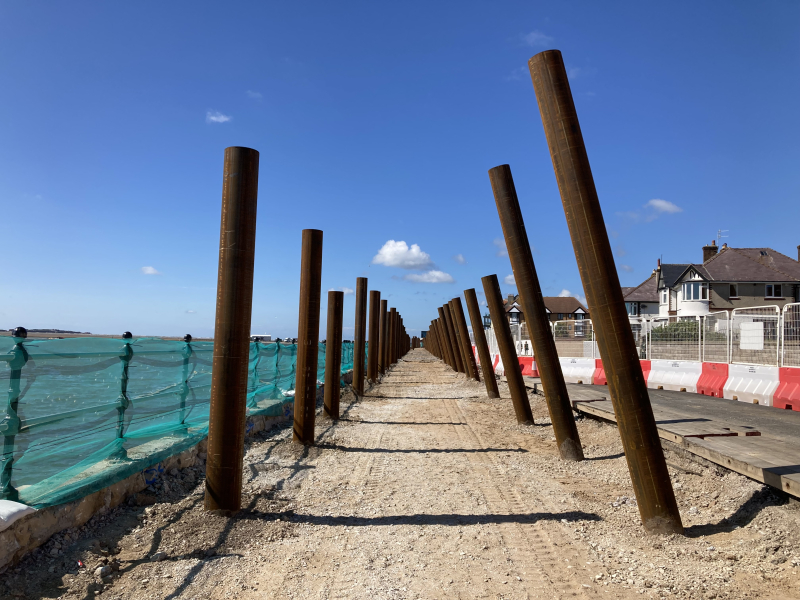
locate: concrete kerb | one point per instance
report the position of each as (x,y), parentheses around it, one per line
(35,529)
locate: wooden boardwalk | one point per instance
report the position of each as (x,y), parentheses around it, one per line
(760,442)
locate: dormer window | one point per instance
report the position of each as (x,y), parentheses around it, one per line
(695,291)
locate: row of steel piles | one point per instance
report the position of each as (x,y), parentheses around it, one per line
(227,414)
(636,423)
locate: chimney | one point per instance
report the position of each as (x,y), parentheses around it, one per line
(709,251)
(510,299)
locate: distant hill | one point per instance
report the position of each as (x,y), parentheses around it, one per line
(55,331)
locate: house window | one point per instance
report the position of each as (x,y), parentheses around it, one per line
(774,290)
(734,292)
(632,309)
(580,316)
(664,296)
(514,317)
(695,291)
(560,316)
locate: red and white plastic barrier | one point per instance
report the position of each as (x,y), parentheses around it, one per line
(787,394)
(766,386)
(578,370)
(676,375)
(713,379)
(751,383)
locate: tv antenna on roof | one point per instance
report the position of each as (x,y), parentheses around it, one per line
(720,236)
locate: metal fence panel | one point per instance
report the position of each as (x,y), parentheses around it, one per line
(790,335)
(755,335)
(575,339)
(674,338)
(716,337)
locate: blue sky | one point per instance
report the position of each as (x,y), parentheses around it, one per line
(375,122)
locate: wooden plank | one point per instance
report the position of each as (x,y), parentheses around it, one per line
(740,448)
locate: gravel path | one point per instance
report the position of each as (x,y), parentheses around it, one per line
(427,489)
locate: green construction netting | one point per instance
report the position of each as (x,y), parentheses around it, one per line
(84,413)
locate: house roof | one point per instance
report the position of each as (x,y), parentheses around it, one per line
(740,265)
(554,304)
(647,291)
(752,264)
(562,304)
(672,273)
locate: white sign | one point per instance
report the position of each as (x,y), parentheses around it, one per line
(751,336)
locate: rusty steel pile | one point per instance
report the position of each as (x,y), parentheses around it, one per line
(648,469)
(448,337)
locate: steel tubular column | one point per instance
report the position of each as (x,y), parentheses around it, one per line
(383,356)
(392,335)
(508,353)
(227,413)
(305,398)
(451,330)
(374,334)
(333,354)
(459,341)
(637,426)
(359,339)
(472,368)
(446,342)
(527,281)
(481,344)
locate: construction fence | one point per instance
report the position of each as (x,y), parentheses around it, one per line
(765,335)
(84,413)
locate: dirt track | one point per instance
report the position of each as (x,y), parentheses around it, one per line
(426,489)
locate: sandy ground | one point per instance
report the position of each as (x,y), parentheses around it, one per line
(426,489)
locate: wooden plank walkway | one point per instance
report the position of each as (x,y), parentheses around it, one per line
(759,442)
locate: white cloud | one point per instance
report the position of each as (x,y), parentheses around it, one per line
(254,95)
(432,276)
(459,258)
(190,312)
(537,38)
(214,116)
(501,246)
(509,280)
(653,210)
(150,271)
(347,291)
(626,268)
(398,254)
(663,206)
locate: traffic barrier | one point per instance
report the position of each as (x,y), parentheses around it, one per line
(498,365)
(528,366)
(578,370)
(677,375)
(713,379)
(646,368)
(599,377)
(787,395)
(751,383)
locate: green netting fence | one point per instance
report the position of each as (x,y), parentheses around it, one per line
(84,413)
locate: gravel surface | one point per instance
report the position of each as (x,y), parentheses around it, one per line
(427,489)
